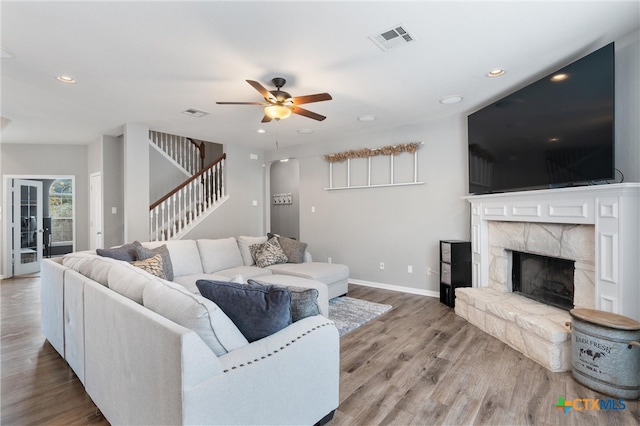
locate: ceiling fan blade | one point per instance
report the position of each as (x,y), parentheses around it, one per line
(260,88)
(266,119)
(242,103)
(307,113)
(318,97)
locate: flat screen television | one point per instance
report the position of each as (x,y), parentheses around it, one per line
(555,132)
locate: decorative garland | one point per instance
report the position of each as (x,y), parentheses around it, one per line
(411,148)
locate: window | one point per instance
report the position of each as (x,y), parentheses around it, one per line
(61,211)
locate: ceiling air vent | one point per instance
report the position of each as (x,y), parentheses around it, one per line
(195,112)
(396,36)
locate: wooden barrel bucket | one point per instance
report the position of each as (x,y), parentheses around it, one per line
(605,352)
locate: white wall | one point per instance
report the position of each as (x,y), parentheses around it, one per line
(136,183)
(627,106)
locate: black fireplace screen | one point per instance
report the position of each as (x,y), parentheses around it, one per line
(545,279)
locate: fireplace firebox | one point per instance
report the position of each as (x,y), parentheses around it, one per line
(545,279)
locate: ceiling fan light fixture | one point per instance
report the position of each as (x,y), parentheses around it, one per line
(277,112)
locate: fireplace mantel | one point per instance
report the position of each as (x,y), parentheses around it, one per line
(613,210)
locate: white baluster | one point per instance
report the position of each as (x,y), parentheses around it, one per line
(222,182)
(180,211)
(157,227)
(173,214)
(162,209)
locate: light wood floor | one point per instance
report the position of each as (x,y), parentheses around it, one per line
(417,364)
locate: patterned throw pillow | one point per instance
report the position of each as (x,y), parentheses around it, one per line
(145,253)
(269,253)
(152,265)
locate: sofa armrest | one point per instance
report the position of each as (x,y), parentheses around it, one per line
(138,364)
(290,377)
(52,302)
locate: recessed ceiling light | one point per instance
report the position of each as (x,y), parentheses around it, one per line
(495,73)
(559,77)
(453,99)
(366,118)
(66,79)
(261,131)
(305,131)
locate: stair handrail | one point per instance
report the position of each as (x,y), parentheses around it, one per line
(188,181)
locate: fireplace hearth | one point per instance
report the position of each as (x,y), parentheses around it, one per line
(545,279)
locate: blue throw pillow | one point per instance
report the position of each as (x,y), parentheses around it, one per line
(258,311)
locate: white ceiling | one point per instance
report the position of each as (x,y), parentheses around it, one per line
(146,62)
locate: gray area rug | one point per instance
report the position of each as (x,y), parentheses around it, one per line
(349,313)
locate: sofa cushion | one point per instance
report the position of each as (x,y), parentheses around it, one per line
(185,257)
(293,248)
(258,311)
(327,273)
(129,281)
(245,271)
(244,243)
(152,265)
(269,253)
(167,267)
(219,254)
(88,264)
(304,301)
(194,312)
(126,252)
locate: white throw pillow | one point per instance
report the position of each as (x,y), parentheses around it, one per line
(219,254)
(244,243)
(196,313)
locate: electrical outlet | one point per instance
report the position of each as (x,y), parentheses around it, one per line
(410,269)
(381,265)
(429,271)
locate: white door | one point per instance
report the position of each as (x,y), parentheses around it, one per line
(95,207)
(27,226)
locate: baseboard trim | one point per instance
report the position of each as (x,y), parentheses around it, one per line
(392,287)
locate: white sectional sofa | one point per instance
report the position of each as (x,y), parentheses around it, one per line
(150,351)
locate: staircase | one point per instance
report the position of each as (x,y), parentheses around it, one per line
(179,211)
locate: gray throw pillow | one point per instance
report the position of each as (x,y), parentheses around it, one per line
(145,253)
(126,252)
(304,301)
(293,248)
(258,311)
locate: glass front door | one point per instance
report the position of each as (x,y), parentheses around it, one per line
(27,220)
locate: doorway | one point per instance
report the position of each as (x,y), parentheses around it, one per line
(284,180)
(40,221)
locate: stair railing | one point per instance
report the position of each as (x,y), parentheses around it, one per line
(184,151)
(171,214)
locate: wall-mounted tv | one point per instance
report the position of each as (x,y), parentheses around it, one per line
(557,131)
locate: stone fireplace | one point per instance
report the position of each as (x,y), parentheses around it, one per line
(596,227)
(571,242)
